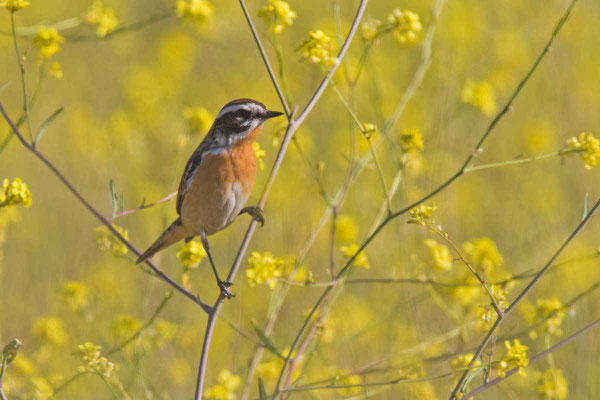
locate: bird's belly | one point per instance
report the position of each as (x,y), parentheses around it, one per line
(215,197)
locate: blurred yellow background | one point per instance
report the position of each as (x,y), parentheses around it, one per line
(136,105)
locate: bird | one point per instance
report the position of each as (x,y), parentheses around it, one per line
(217,180)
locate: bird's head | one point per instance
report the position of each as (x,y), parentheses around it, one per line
(239,117)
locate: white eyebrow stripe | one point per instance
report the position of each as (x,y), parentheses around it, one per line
(248,106)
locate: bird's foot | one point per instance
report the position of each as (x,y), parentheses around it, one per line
(224,287)
(256,213)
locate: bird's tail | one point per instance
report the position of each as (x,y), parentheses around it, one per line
(174,233)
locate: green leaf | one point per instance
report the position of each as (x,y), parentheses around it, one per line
(113,197)
(45,125)
(266,341)
(261,389)
(585,206)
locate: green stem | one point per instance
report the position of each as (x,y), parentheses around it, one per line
(22,70)
(366,135)
(512,162)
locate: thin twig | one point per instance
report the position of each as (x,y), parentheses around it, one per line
(291,128)
(99,216)
(533,359)
(522,295)
(143,206)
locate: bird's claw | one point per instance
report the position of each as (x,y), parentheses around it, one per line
(224,287)
(256,213)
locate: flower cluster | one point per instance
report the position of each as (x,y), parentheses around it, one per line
(480,95)
(125,326)
(48,40)
(487,314)
(14,193)
(370,29)
(317,49)
(55,70)
(441,255)
(191,254)
(107,241)
(361,260)
(346,229)
(344,377)
(225,388)
(14,5)
(587,146)
(406,25)
(277,15)
(95,363)
(516,357)
(421,214)
(103,17)
(265,269)
(552,312)
(411,140)
(483,253)
(463,360)
(199,119)
(368,129)
(260,154)
(50,330)
(75,295)
(552,385)
(198,11)
(411,144)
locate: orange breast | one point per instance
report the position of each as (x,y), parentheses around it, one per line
(220,187)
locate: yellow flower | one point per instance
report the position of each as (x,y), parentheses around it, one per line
(553,311)
(191,254)
(75,295)
(264,269)
(480,95)
(277,15)
(406,25)
(411,141)
(368,129)
(50,330)
(516,357)
(442,258)
(164,333)
(102,16)
(463,360)
(346,229)
(199,119)
(361,260)
(48,40)
(421,214)
(370,29)
(56,70)
(95,363)
(14,5)
(14,193)
(42,389)
(483,253)
(487,314)
(198,11)
(225,389)
(346,379)
(317,49)
(109,242)
(552,385)
(587,146)
(125,326)
(259,153)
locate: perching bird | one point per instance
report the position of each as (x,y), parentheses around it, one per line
(218,179)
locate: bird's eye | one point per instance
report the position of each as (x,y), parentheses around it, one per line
(244,114)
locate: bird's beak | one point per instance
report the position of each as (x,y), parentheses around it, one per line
(272,114)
